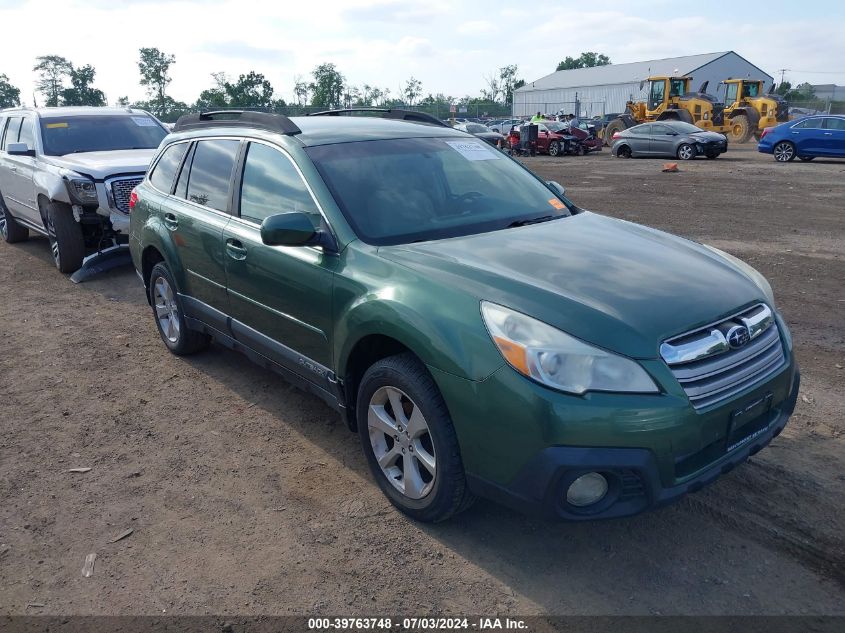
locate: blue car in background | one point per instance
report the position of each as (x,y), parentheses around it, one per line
(806,138)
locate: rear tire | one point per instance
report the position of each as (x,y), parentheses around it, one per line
(66,241)
(12,231)
(784,152)
(685,152)
(431,485)
(624,152)
(169,315)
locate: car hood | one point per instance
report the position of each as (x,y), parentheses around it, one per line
(706,137)
(615,284)
(99,165)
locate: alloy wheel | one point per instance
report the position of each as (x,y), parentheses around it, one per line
(167,312)
(4,225)
(686,152)
(402,442)
(54,242)
(784,152)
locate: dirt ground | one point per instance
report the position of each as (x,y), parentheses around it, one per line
(246,496)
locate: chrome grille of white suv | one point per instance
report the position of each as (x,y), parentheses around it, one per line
(120,190)
(715,362)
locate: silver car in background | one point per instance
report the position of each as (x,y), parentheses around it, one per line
(677,139)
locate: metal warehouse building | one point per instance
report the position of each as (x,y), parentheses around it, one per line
(606,89)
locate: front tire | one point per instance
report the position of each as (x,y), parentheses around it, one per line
(624,152)
(740,130)
(10,230)
(409,440)
(554,148)
(685,152)
(66,241)
(784,152)
(169,315)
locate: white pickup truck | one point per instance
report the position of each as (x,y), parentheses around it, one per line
(67,173)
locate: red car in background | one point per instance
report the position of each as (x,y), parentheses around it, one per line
(557,138)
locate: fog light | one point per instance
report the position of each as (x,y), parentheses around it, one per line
(587,490)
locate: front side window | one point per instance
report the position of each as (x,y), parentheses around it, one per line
(26,134)
(211,173)
(165,169)
(271,185)
(834,124)
(405,190)
(99,133)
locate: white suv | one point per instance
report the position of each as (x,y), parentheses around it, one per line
(67,173)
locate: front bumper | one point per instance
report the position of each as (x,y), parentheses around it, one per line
(635,482)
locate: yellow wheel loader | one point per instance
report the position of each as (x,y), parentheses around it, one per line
(748,111)
(670,99)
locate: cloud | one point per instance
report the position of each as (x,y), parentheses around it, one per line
(396,11)
(242,50)
(477,27)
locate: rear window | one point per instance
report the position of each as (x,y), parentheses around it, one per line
(99,133)
(211,173)
(165,169)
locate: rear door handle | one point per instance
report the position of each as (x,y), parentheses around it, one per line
(235,249)
(13,168)
(828,133)
(170,221)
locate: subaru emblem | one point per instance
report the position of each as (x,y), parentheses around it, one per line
(738,336)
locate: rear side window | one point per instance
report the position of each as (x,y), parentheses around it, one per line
(642,130)
(211,173)
(272,185)
(12,131)
(809,124)
(165,169)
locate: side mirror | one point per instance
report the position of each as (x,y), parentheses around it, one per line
(19,149)
(556,187)
(288,229)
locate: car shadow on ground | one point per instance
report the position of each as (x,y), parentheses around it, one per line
(682,559)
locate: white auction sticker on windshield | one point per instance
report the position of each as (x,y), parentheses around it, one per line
(144,121)
(473,150)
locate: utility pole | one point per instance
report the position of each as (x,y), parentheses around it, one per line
(782,72)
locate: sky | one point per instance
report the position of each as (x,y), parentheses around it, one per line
(450,46)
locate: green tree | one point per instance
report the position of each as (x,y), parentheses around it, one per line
(81,93)
(9,95)
(52,71)
(154,66)
(172,109)
(327,87)
(300,90)
(123,102)
(585,60)
(411,90)
(252,90)
(508,81)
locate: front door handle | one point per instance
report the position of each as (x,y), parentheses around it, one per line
(828,133)
(13,168)
(170,221)
(235,249)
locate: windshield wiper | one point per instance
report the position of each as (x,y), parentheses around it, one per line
(544,218)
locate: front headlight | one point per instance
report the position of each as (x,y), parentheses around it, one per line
(758,279)
(82,190)
(558,360)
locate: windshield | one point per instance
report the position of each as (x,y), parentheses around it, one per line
(412,190)
(555,127)
(99,133)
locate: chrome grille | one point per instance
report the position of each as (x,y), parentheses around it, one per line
(719,371)
(120,190)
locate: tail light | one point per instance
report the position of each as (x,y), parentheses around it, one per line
(765,131)
(133,200)
(615,136)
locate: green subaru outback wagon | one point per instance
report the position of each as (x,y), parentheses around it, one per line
(483,334)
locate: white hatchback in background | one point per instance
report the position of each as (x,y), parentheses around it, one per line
(67,173)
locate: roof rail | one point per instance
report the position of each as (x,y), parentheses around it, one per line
(387,113)
(264,120)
